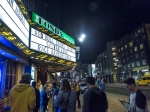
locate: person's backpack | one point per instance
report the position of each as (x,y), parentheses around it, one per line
(98,103)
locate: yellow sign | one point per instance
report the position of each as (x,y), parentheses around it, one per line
(141,68)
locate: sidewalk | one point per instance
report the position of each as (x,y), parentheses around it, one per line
(113,103)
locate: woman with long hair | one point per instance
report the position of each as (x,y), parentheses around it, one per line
(66,98)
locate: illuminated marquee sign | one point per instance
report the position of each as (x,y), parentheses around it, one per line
(12,16)
(42,22)
(43,43)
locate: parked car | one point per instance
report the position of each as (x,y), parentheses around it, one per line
(83,87)
(145,81)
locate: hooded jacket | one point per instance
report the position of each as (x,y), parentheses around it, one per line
(23,98)
(94,100)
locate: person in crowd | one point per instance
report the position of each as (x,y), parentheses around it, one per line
(103,84)
(66,99)
(22,95)
(76,88)
(137,102)
(98,82)
(55,93)
(94,99)
(39,85)
(37,97)
(44,99)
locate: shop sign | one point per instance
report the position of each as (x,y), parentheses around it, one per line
(44,43)
(12,16)
(141,68)
(42,22)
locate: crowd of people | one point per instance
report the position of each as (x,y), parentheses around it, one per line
(35,98)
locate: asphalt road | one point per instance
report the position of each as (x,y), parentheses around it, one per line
(120,89)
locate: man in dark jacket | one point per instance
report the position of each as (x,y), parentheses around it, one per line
(94,99)
(37,97)
(137,101)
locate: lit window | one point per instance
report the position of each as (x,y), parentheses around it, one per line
(131,44)
(114,54)
(135,49)
(122,48)
(114,59)
(113,48)
(125,46)
(144,62)
(141,46)
(115,64)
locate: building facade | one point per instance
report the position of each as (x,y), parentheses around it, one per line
(128,56)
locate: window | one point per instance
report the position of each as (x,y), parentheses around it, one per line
(121,48)
(137,63)
(113,49)
(118,50)
(136,56)
(122,54)
(142,54)
(123,60)
(148,78)
(133,65)
(126,52)
(135,49)
(114,59)
(144,78)
(144,62)
(141,46)
(131,56)
(128,65)
(114,54)
(115,64)
(124,66)
(131,44)
(125,46)
(127,59)
(130,50)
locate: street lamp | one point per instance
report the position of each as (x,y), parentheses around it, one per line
(82,37)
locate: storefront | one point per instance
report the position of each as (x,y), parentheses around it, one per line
(20,53)
(14,40)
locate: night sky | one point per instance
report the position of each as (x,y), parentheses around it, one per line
(100,20)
